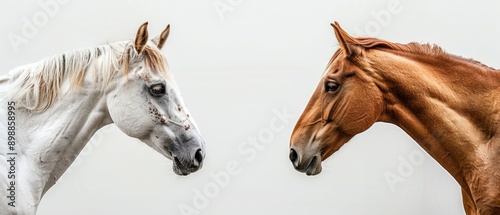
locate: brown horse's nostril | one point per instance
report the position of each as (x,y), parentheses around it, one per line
(198,158)
(294,157)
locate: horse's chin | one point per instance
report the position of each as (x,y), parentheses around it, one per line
(180,172)
(177,166)
(181,169)
(314,167)
(314,172)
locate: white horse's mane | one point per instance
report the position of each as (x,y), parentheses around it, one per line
(36,86)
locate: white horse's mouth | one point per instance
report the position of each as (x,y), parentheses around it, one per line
(183,169)
(185,163)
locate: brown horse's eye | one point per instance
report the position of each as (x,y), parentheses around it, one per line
(331,86)
(157,90)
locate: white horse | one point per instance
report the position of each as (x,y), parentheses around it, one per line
(49,110)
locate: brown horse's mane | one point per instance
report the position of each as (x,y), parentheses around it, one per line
(413,48)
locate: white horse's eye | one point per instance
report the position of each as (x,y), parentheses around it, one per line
(157,90)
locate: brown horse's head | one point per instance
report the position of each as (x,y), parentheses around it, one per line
(346,102)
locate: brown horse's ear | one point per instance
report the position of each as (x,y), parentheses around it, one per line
(142,38)
(345,40)
(160,39)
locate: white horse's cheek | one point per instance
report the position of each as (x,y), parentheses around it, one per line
(128,114)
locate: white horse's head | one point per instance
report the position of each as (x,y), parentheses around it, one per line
(146,104)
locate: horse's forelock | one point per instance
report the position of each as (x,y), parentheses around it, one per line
(152,57)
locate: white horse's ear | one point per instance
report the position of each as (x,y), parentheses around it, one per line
(142,38)
(160,39)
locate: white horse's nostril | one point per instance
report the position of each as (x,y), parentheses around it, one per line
(198,157)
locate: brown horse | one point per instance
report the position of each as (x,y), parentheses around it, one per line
(448,104)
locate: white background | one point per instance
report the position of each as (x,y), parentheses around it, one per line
(234,69)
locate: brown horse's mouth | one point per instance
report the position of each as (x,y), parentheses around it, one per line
(310,166)
(314,166)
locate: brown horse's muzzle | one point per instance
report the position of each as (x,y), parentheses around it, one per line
(305,161)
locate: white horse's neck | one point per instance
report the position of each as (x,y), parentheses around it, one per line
(48,142)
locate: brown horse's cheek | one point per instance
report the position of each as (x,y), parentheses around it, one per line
(360,116)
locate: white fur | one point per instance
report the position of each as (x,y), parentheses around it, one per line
(50,135)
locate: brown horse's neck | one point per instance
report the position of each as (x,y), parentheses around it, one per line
(445,103)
